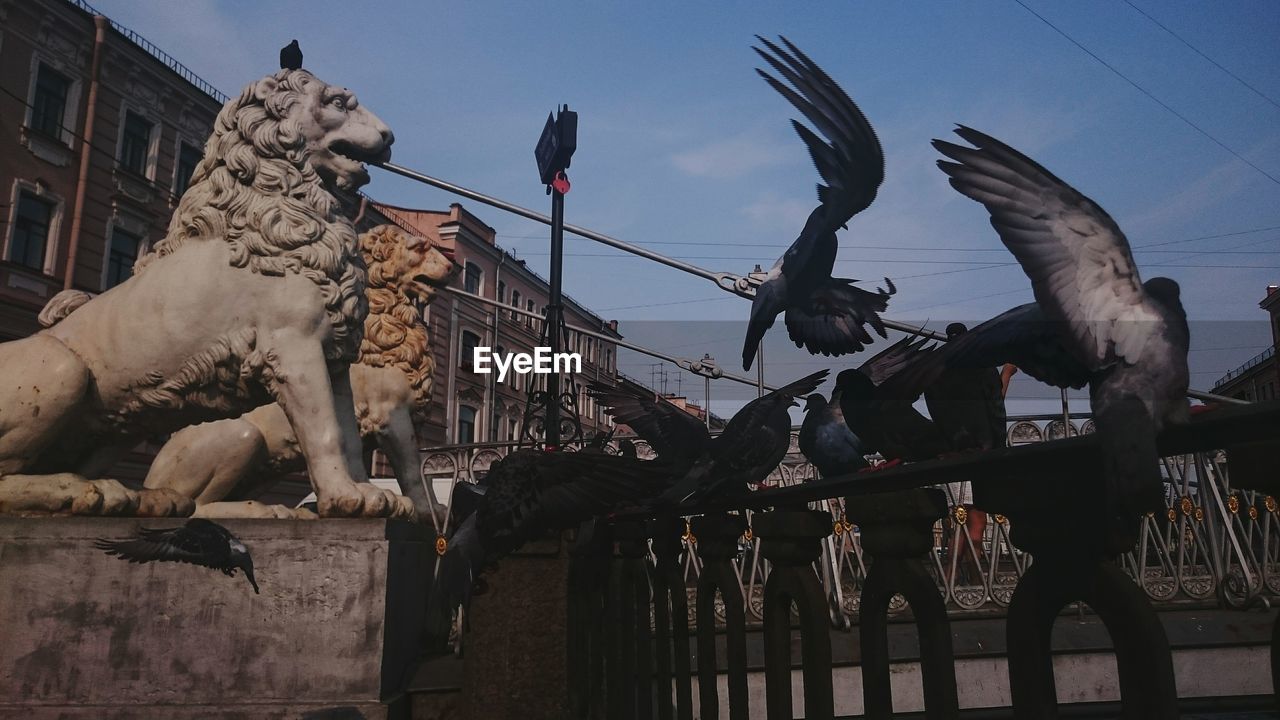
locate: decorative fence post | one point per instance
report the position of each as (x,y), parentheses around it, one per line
(717,537)
(628,582)
(1079,569)
(671,617)
(897,531)
(589,571)
(790,540)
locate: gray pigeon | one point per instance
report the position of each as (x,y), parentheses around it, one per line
(1131,337)
(877,400)
(823,314)
(967,404)
(291,56)
(827,441)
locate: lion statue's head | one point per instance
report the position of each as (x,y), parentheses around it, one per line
(404,271)
(279,174)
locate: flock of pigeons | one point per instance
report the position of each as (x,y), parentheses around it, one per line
(1093,323)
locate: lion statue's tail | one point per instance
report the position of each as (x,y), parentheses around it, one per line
(62,305)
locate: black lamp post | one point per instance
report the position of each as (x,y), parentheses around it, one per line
(553,153)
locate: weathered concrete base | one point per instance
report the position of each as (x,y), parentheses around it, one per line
(332,636)
(515,662)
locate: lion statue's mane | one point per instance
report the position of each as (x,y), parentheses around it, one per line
(255,190)
(394,335)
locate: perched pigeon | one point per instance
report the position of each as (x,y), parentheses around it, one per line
(291,56)
(753,442)
(1130,337)
(823,314)
(530,492)
(876,399)
(827,441)
(967,404)
(199,542)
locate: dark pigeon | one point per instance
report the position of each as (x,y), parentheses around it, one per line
(530,492)
(967,404)
(827,441)
(823,314)
(1130,337)
(291,56)
(752,444)
(199,542)
(877,397)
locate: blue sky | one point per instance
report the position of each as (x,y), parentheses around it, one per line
(683,147)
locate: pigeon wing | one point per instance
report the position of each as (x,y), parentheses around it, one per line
(1022,336)
(174,545)
(1079,262)
(739,434)
(840,312)
(672,433)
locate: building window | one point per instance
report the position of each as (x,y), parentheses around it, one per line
(49,106)
(502,292)
(188,157)
(466,424)
(31,231)
(528,320)
(124,252)
(469,342)
(471,278)
(515,302)
(135,143)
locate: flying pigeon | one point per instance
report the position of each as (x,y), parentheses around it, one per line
(199,542)
(1130,337)
(877,396)
(530,492)
(291,56)
(823,314)
(753,442)
(827,441)
(967,404)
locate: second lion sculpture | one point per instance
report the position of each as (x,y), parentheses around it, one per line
(255,294)
(218,462)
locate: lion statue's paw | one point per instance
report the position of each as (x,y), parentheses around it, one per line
(366,500)
(65,493)
(163,502)
(252,509)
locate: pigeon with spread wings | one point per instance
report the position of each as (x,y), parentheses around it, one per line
(198,542)
(1130,338)
(877,396)
(823,314)
(530,492)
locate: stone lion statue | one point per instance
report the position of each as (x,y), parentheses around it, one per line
(237,459)
(256,294)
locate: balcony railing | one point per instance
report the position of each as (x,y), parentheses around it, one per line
(1253,362)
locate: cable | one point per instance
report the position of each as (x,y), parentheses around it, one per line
(1196,50)
(1146,92)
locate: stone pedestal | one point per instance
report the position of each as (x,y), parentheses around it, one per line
(333,634)
(515,652)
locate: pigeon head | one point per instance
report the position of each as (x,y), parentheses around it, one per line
(855,385)
(956,329)
(240,558)
(814,402)
(1165,291)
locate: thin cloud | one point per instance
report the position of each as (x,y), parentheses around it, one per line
(731,158)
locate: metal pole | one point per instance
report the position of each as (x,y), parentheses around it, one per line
(1066,415)
(760,370)
(706,398)
(552,436)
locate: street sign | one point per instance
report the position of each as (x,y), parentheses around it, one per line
(555,147)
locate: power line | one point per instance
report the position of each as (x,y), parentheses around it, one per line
(1197,51)
(1148,93)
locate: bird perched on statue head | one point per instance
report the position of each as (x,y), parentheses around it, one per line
(291,56)
(823,314)
(1094,321)
(199,542)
